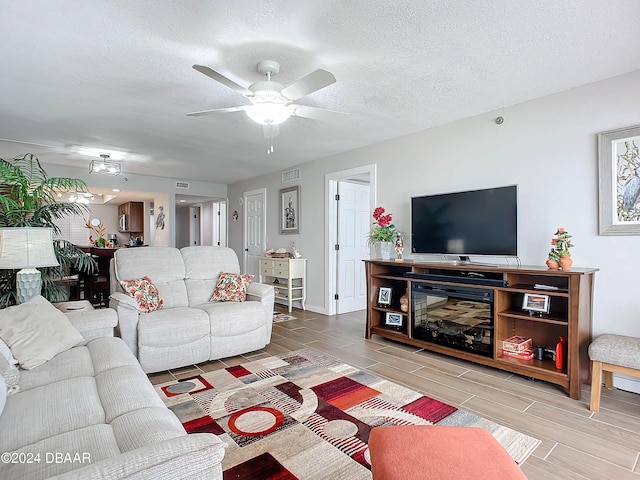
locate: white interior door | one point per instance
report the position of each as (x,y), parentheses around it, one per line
(353,226)
(194,226)
(255,240)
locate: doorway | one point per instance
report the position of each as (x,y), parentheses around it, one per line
(255,234)
(348,224)
(195,230)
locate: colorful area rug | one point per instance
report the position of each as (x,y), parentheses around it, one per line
(307,415)
(282,317)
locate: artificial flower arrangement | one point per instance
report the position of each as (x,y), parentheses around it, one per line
(100,230)
(560,255)
(383,229)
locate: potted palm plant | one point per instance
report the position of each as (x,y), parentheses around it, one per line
(28,198)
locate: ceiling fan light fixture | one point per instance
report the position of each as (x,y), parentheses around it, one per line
(268,113)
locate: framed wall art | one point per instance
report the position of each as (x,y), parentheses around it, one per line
(619,177)
(290,210)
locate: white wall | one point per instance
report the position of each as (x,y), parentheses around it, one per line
(164,237)
(546,146)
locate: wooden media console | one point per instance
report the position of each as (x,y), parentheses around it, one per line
(502,289)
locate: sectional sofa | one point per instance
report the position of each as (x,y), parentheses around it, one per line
(91,413)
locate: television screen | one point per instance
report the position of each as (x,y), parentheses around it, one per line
(477,222)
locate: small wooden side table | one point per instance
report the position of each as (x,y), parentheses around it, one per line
(74,306)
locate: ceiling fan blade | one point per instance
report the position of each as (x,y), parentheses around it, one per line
(271,130)
(216,110)
(218,77)
(309,84)
(315,113)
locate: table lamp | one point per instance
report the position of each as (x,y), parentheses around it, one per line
(27,248)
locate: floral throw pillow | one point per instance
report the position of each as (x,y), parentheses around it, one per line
(145,293)
(231,287)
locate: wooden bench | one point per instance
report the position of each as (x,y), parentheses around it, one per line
(612,354)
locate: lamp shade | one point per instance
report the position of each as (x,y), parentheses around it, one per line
(26,247)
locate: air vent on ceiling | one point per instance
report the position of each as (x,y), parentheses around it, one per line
(183,185)
(290,175)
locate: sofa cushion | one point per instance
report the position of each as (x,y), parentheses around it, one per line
(36,331)
(162,264)
(144,292)
(171,328)
(50,410)
(146,426)
(203,265)
(73,363)
(231,287)
(93,444)
(230,318)
(125,389)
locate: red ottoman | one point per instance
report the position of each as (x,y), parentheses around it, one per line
(439,453)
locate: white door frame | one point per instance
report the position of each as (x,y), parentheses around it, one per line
(263,240)
(331,258)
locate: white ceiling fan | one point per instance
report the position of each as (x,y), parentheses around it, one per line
(271,102)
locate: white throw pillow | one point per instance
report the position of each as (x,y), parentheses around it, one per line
(36,331)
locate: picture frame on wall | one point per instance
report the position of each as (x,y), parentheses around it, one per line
(290,210)
(393,319)
(619,181)
(384,296)
(535,303)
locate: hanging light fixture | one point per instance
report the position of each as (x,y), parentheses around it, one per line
(105,166)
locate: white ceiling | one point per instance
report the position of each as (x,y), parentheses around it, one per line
(115,75)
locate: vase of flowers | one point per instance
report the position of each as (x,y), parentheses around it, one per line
(383,232)
(559,255)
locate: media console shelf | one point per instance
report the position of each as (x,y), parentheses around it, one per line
(503,289)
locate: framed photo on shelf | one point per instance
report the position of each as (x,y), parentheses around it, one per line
(393,320)
(619,180)
(290,210)
(534,303)
(384,296)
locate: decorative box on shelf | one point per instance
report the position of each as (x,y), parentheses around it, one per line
(523,355)
(517,344)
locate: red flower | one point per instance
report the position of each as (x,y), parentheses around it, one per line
(384,220)
(377,213)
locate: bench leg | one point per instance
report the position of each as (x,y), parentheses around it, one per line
(608,379)
(596,385)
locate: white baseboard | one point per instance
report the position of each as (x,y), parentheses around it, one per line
(628,384)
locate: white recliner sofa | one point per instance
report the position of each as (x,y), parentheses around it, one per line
(189,328)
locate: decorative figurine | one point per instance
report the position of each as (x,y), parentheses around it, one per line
(399,248)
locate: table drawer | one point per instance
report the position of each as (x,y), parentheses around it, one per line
(281,264)
(281,273)
(266,264)
(266,272)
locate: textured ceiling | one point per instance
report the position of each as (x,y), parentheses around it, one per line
(115,75)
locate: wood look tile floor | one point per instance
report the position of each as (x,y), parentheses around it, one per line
(576,443)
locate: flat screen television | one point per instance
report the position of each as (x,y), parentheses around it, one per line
(476,222)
